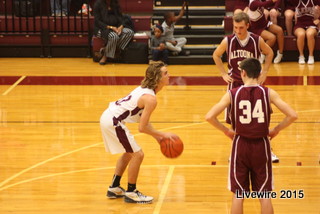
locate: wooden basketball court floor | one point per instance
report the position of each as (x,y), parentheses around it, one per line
(52,158)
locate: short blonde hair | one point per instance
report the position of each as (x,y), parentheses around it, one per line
(242,16)
(153,75)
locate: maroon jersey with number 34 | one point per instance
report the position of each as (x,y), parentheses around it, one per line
(250,111)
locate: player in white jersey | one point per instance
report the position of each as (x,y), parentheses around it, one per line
(137,107)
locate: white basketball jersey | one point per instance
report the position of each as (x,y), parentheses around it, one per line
(126,109)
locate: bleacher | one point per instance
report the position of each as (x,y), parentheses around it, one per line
(41,35)
(201,25)
(290,44)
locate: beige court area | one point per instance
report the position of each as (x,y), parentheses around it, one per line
(52,159)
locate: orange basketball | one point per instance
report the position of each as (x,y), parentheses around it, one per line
(171,148)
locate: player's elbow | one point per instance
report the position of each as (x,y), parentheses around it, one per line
(294,116)
(208,118)
(142,129)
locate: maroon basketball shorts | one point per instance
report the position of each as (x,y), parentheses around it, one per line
(250,164)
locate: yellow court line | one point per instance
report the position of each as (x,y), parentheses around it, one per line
(164,190)
(85,147)
(305,80)
(53,175)
(14,85)
(45,161)
(77,150)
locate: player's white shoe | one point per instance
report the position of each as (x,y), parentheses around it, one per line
(137,197)
(115,192)
(274,158)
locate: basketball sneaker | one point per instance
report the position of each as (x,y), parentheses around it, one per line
(115,192)
(274,158)
(137,197)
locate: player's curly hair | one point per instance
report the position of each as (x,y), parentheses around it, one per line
(153,75)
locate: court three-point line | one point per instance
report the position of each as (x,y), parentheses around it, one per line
(14,85)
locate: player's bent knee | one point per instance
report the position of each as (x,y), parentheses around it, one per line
(139,154)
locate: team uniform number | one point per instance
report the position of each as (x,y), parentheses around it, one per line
(248,114)
(125,99)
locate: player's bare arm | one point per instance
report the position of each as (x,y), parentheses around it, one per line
(217,54)
(290,114)
(149,103)
(214,112)
(266,50)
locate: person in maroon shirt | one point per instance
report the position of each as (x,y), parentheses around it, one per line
(267,30)
(289,13)
(275,12)
(241,6)
(251,155)
(306,28)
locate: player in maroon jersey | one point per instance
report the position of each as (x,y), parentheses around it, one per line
(270,32)
(251,154)
(241,6)
(239,46)
(306,28)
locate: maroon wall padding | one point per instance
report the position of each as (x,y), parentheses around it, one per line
(97,43)
(68,40)
(139,6)
(21,39)
(20,24)
(76,24)
(72,24)
(141,23)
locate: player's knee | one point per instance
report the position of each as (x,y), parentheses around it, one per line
(139,154)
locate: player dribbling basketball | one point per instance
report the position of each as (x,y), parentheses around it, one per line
(137,107)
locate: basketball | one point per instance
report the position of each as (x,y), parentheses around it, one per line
(171,148)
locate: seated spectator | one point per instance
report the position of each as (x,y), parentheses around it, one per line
(289,8)
(275,12)
(173,44)
(60,7)
(109,25)
(158,46)
(241,6)
(267,30)
(305,27)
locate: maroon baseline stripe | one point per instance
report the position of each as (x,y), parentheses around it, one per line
(136,80)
